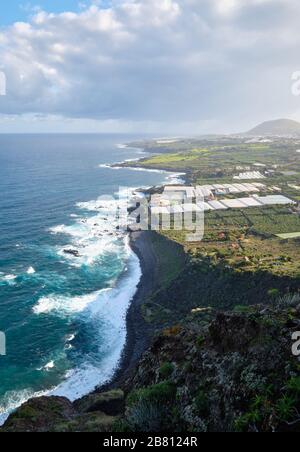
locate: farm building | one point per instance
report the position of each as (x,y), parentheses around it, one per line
(250,202)
(217,205)
(208,191)
(275,200)
(180,200)
(233,203)
(250,175)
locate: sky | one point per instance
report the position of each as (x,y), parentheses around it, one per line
(21,10)
(171,67)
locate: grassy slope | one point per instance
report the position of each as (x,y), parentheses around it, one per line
(170,259)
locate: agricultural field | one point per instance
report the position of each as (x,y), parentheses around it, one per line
(244,252)
(210,155)
(257,239)
(249,240)
(264,221)
(213,161)
(273,221)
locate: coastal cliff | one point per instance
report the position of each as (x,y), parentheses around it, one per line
(214,372)
(187,365)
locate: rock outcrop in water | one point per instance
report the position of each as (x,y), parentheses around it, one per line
(74,253)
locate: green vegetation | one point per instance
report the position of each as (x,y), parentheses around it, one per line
(206,158)
(293,386)
(262,408)
(161,392)
(272,221)
(170,260)
(255,240)
(282,407)
(148,407)
(200,341)
(166,370)
(264,221)
(273,293)
(242,251)
(243,379)
(218,160)
(212,370)
(201,402)
(285,408)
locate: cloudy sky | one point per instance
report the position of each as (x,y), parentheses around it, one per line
(167,66)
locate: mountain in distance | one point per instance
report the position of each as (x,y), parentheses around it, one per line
(279,127)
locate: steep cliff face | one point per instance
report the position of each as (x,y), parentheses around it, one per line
(237,374)
(215,372)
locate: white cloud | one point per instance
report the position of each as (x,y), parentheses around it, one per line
(161,61)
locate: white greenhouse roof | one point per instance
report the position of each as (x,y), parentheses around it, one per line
(275,199)
(217,205)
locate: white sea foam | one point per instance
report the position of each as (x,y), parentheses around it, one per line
(49,366)
(90,249)
(7,279)
(174,179)
(95,236)
(10,279)
(136,159)
(58,229)
(104,165)
(171,178)
(63,305)
(13,399)
(30,271)
(92,237)
(109,309)
(144,170)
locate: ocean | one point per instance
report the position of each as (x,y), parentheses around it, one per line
(63,315)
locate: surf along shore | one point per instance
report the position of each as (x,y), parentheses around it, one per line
(161,260)
(139,332)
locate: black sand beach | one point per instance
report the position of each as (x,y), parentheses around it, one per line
(139,333)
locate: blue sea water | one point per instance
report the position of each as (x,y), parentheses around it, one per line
(64,316)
